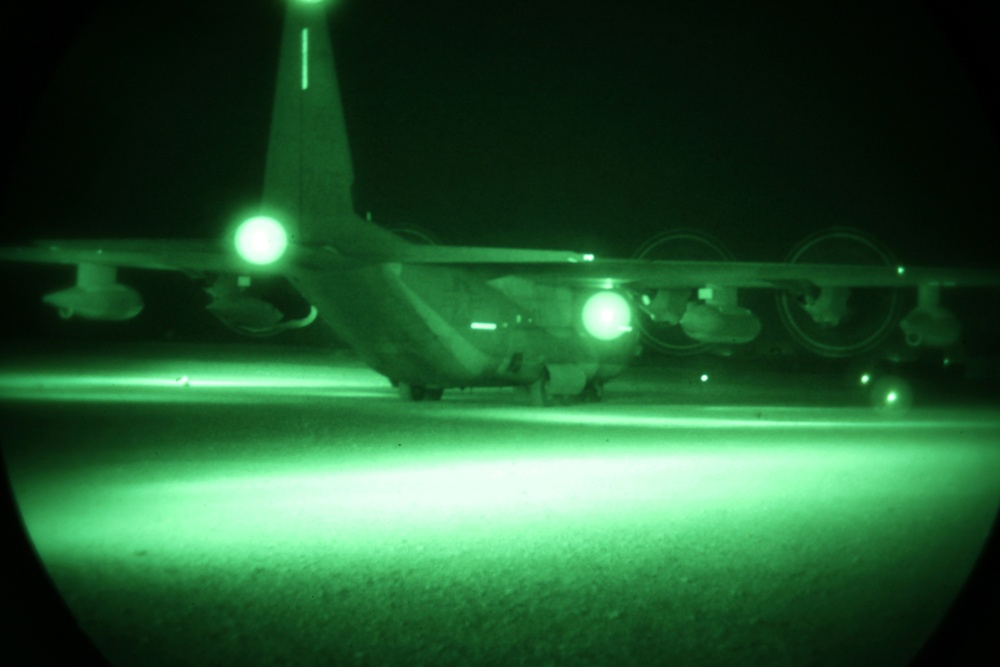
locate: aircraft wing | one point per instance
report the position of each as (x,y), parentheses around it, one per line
(675,274)
(568,268)
(549,266)
(164,255)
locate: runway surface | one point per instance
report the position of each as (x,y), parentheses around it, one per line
(261,506)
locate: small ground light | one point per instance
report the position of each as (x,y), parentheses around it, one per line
(704,377)
(891,394)
(865,378)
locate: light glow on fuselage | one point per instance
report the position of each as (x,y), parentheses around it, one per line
(607,315)
(261,240)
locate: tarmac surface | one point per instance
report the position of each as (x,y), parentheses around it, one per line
(203,505)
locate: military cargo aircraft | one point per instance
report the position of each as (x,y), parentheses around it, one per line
(431,318)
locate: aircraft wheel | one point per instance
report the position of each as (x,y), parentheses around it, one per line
(593,392)
(411,392)
(538,393)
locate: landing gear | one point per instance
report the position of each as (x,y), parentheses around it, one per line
(538,393)
(539,396)
(418,392)
(593,392)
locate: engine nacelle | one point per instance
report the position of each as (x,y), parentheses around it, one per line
(245,312)
(836,321)
(258,308)
(931,326)
(666,307)
(829,307)
(719,324)
(105,302)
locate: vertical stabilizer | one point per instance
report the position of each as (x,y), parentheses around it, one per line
(307,183)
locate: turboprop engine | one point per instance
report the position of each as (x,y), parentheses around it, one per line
(701,324)
(839,321)
(708,323)
(929,324)
(96,296)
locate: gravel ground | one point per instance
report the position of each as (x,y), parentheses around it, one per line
(255,508)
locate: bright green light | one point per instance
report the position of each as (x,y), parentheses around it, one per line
(164,383)
(704,377)
(865,378)
(483,326)
(305,58)
(900,270)
(607,315)
(588,257)
(891,394)
(261,240)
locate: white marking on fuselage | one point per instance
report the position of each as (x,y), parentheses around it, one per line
(473,360)
(305,58)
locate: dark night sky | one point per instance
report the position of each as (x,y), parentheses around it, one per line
(581,125)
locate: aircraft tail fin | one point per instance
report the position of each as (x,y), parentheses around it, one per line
(309,174)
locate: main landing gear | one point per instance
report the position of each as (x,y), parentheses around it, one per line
(539,396)
(418,392)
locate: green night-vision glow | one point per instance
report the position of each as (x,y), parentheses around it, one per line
(261,240)
(607,315)
(483,326)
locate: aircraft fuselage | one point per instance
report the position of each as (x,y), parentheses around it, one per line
(450,327)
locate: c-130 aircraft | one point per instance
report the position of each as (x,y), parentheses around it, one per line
(431,318)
